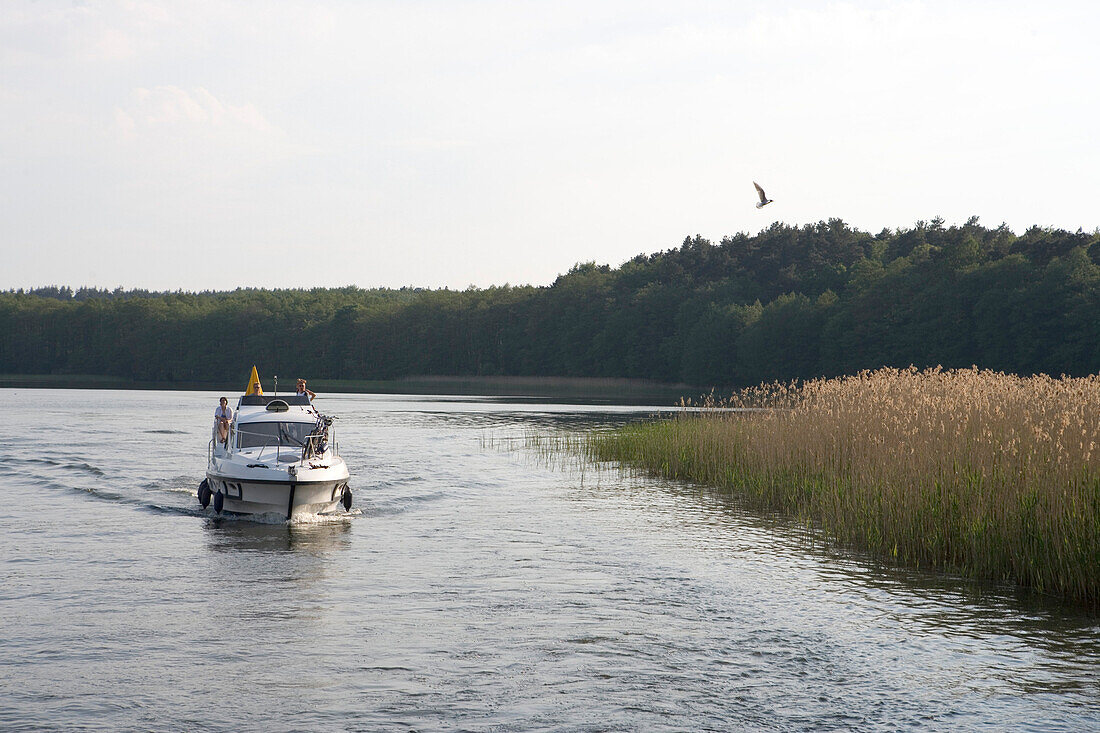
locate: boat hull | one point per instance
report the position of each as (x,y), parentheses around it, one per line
(287,498)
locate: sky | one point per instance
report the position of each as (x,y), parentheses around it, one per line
(213,145)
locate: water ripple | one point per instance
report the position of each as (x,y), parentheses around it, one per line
(476,588)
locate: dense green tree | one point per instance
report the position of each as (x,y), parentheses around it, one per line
(789,302)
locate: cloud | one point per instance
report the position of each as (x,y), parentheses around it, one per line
(189,129)
(164,107)
(175,141)
(85,33)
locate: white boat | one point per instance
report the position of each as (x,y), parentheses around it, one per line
(281,457)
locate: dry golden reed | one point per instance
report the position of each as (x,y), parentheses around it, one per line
(989,474)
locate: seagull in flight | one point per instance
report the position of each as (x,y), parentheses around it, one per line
(764,200)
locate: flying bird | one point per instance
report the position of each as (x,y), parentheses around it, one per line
(764,200)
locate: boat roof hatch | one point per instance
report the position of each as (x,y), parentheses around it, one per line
(257,400)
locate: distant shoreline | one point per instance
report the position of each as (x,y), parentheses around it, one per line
(558,387)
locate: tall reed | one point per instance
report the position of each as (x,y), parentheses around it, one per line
(989,474)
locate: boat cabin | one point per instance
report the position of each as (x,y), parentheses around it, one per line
(289,424)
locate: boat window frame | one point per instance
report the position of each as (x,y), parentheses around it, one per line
(305,428)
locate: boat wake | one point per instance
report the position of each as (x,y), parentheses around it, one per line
(67,464)
(174,495)
(335,518)
(280,518)
(403,504)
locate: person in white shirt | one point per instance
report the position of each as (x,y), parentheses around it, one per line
(301,389)
(222,417)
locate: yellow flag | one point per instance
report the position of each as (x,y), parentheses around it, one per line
(253,381)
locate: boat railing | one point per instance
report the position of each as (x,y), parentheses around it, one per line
(213,444)
(319,443)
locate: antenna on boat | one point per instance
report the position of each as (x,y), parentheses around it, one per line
(276,377)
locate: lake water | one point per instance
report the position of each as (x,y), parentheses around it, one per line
(474,588)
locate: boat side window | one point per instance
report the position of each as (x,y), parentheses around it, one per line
(285,434)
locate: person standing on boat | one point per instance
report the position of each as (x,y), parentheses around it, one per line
(222,416)
(301,389)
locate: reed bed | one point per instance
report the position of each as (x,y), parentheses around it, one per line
(984,473)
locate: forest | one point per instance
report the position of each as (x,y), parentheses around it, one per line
(791,302)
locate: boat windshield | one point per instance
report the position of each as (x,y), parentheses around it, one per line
(290,434)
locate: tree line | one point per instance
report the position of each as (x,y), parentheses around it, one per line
(789,302)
